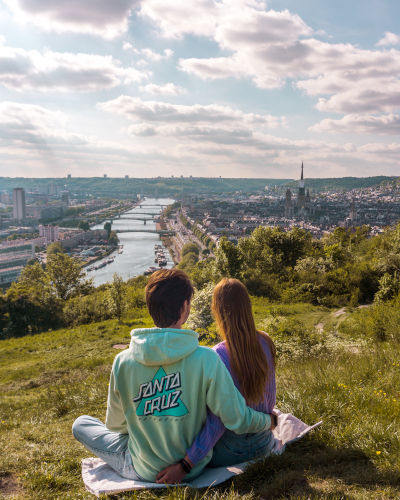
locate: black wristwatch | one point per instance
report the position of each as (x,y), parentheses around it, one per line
(274,420)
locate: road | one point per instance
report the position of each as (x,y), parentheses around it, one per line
(185,235)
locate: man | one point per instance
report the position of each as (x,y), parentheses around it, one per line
(159,392)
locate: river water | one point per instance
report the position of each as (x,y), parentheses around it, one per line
(138,248)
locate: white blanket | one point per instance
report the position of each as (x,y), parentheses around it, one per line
(100,478)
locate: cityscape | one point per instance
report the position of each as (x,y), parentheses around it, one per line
(33,219)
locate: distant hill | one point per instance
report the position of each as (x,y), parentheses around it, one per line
(121,186)
(334,183)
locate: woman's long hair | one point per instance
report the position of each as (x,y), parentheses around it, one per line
(231,306)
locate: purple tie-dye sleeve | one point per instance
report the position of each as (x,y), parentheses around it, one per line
(207,438)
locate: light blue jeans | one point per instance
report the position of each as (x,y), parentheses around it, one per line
(111,447)
(233,449)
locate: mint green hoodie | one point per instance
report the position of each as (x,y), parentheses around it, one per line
(159,392)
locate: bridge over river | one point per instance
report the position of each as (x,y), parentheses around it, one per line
(160,232)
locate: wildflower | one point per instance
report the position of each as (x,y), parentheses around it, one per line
(378,452)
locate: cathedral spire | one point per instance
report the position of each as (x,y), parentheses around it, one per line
(302,169)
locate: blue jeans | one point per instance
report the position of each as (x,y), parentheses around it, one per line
(111,447)
(233,449)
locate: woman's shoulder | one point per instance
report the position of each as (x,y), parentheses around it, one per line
(220,348)
(265,341)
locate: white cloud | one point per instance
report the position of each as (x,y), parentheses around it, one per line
(127,46)
(136,109)
(361,124)
(389,39)
(149,53)
(97,17)
(271,47)
(65,72)
(167,89)
(176,18)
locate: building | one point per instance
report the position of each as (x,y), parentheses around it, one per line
(19,207)
(52,233)
(5,198)
(301,198)
(65,198)
(353,211)
(105,176)
(289,209)
(49,212)
(69,176)
(126,176)
(40,242)
(13,259)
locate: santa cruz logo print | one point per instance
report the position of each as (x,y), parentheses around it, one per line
(161,396)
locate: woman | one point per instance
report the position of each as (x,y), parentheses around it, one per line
(249,355)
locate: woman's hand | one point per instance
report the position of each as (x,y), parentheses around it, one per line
(173,474)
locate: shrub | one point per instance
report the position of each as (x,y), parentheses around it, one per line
(89,309)
(200,314)
(293,341)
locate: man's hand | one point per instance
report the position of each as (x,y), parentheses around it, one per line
(173,474)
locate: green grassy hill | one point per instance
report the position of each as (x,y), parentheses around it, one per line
(49,379)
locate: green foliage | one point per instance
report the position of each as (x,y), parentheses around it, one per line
(113,239)
(190,248)
(84,224)
(200,314)
(67,276)
(389,287)
(188,261)
(54,248)
(30,305)
(37,248)
(378,323)
(72,211)
(117,299)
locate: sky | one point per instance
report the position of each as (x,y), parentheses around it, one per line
(231,88)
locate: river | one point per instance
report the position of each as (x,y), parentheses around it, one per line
(138,248)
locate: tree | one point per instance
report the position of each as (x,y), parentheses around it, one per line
(84,224)
(117,297)
(113,239)
(107,227)
(37,248)
(67,276)
(190,248)
(55,248)
(31,304)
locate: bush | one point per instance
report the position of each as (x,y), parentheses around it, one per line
(89,309)
(293,341)
(190,248)
(200,314)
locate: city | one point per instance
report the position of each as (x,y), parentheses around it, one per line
(31,220)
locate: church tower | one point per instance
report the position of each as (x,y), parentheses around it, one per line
(289,210)
(301,199)
(353,211)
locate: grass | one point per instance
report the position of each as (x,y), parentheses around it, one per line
(48,380)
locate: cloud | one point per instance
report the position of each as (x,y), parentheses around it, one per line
(65,72)
(136,109)
(389,39)
(270,47)
(167,89)
(149,53)
(95,17)
(360,124)
(174,19)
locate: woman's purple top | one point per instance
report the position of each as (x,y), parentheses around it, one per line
(214,428)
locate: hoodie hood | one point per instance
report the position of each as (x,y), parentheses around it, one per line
(162,346)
